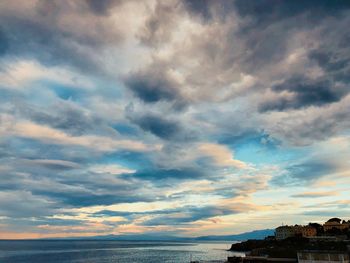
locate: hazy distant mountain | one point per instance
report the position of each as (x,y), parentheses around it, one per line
(256,234)
(134,237)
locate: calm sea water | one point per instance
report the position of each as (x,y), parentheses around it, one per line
(110,251)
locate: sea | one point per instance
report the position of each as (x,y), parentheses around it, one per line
(100,251)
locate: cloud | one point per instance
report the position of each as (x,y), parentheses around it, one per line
(315,194)
(327,213)
(60,187)
(337,208)
(189,215)
(318,166)
(310,170)
(153,85)
(175,116)
(220,155)
(330,60)
(102,7)
(201,156)
(161,175)
(310,125)
(158,126)
(66,116)
(304,93)
(110,168)
(37,17)
(165,128)
(22,204)
(337,204)
(20,74)
(202,8)
(261,10)
(3,42)
(55,164)
(52,136)
(157,28)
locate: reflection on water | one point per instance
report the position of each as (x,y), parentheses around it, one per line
(62,251)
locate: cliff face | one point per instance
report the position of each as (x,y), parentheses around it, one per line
(286,248)
(249,245)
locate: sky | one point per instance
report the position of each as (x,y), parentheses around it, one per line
(172,117)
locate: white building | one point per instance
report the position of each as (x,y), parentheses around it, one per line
(283,232)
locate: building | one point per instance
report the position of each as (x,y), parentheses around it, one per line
(283,232)
(336,223)
(308,231)
(250,259)
(321,256)
(324,239)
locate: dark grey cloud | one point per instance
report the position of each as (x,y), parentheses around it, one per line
(307,171)
(23,148)
(189,214)
(89,189)
(18,224)
(163,128)
(305,92)
(46,44)
(103,213)
(65,116)
(133,215)
(64,184)
(265,12)
(334,59)
(53,164)
(161,176)
(201,7)
(313,195)
(153,86)
(86,198)
(39,34)
(22,204)
(3,42)
(174,216)
(329,60)
(330,55)
(209,10)
(102,7)
(311,170)
(5,149)
(301,130)
(268,31)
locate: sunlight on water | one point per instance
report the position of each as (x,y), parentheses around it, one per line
(110,251)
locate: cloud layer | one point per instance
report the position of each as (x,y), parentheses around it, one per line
(183,117)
